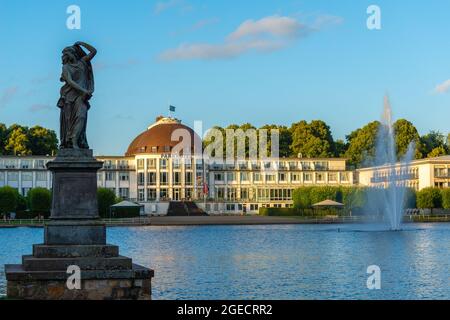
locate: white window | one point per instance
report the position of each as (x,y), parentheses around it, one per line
(27,176)
(41,176)
(307,177)
(25,164)
(163,164)
(124,193)
(151,178)
(110,176)
(231,176)
(141,195)
(124,176)
(13,176)
(151,163)
(151,194)
(244,176)
(164,178)
(140,164)
(256,177)
(218,177)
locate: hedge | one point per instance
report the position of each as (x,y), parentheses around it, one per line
(429,198)
(40,202)
(105,198)
(445,193)
(279,212)
(9,198)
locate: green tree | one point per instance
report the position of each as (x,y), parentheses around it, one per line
(39,201)
(437,152)
(312,140)
(431,141)
(302,197)
(8,200)
(3,137)
(42,141)
(341,148)
(105,198)
(17,142)
(429,198)
(405,134)
(285,139)
(361,144)
(445,194)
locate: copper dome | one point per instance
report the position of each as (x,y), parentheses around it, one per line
(158,138)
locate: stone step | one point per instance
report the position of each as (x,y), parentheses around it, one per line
(31,263)
(16,272)
(75,251)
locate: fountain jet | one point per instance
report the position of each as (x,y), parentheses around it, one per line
(389,197)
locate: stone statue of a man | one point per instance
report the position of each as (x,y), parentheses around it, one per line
(76,92)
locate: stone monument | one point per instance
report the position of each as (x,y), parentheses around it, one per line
(75,237)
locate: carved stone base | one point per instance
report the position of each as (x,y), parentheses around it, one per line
(133,284)
(75,236)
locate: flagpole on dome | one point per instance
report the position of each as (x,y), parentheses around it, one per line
(171,110)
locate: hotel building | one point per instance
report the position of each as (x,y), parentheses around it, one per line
(150,175)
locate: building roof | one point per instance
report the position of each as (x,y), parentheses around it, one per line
(435,160)
(126,204)
(328,203)
(158,138)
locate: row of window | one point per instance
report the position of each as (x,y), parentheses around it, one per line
(164,163)
(276,165)
(265,194)
(164,178)
(282,177)
(22,164)
(164,194)
(25,176)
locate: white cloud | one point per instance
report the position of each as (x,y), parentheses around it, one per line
(265,35)
(221,51)
(273,25)
(40,107)
(443,87)
(7,95)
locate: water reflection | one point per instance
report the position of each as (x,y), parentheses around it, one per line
(276,262)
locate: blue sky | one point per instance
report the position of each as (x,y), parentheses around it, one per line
(226,62)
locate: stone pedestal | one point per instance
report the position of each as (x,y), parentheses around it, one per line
(75,236)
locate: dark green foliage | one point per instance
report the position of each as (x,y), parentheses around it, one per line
(279,212)
(106,198)
(20,140)
(39,201)
(9,198)
(361,144)
(445,193)
(429,198)
(125,212)
(405,134)
(312,140)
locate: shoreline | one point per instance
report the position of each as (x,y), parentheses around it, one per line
(228,220)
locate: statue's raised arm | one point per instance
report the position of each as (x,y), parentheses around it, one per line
(91,49)
(76,92)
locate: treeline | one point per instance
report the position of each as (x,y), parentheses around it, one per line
(21,141)
(315,140)
(37,203)
(358,200)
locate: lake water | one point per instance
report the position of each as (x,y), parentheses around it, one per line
(276,262)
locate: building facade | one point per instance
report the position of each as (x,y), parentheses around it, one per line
(152,174)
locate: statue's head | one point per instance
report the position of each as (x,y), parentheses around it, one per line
(72,54)
(69,55)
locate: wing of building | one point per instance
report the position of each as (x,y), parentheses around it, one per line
(150,175)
